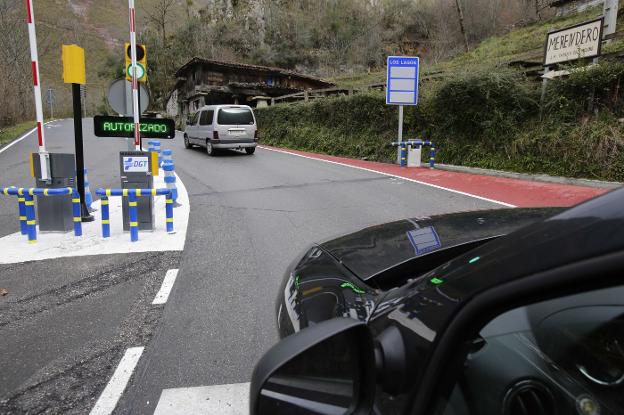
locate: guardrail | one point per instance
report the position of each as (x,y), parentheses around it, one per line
(133,211)
(26,204)
(416,143)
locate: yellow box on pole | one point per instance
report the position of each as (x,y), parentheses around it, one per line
(154,163)
(74,65)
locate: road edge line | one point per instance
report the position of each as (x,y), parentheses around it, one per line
(115,387)
(17,140)
(392,175)
(167,285)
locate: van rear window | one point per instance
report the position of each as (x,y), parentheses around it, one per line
(234,116)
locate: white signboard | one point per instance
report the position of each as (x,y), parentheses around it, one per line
(135,164)
(576,42)
(402,80)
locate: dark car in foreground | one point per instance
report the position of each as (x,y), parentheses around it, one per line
(514,312)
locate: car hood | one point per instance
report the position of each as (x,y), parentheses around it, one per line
(376,249)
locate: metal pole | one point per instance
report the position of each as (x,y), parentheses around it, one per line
(135,82)
(44,157)
(86,217)
(50,102)
(544,84)
(140,138)
(400,134)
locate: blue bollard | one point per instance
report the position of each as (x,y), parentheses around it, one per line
(88,196)
(403,154)
(134,217)
(105,216)
(22,213)
(76,211)
(169,212)
(170,178)
(31,221)
(432,157)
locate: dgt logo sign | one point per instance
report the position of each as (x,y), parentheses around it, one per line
(135,164)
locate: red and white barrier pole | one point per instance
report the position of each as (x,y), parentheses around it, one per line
(135,81)
(32,37)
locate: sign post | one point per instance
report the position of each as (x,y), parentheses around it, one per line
(580,41)
(44,157)
(51,101)
(402,87)
(135,77)
(74,73)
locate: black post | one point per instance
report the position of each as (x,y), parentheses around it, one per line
(86,217)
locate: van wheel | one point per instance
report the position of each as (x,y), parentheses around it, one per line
(250,150)
(186,142)
(209,149)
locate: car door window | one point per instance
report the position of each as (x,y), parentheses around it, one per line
(205,118)
(562,356)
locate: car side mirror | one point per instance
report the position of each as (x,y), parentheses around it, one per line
(327,368)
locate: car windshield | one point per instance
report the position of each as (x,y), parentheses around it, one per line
(235,116)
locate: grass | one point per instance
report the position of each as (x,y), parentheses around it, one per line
(8,134)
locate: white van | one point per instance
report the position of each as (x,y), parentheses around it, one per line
(222,126)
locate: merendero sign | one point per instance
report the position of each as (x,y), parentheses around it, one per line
(107,126)
(576,42)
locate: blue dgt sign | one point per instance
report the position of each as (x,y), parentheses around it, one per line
(402,80)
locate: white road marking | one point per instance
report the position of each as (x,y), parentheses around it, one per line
(5,148)
(118,382)
(15,247)
(165,288)
(392,175)
(232,399)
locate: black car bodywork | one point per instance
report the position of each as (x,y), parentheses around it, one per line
(348,276)
(421,307)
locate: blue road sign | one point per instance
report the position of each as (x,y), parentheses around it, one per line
(402,80)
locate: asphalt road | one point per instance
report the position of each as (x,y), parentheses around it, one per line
(250,216)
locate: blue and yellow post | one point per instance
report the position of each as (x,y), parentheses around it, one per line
(31,222)
(105,214)
(432,156)
(133,213)
(403,145)
(169,211)
(76,211)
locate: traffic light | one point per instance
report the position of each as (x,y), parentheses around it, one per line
(141,57)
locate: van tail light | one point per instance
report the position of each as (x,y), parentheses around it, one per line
(256,135)
(216,135)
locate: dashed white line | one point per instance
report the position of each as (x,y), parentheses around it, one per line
(165,288)
(118,382)
(390,175)
(232,399)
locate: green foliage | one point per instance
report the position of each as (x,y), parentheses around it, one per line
(488,120)
(493,101)
(596,87)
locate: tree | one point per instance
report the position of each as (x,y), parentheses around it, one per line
(460,14)
(160,14)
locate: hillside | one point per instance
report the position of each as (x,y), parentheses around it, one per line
(521,44)
(480,111)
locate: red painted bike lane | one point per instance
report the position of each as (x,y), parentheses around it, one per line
(510,192)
